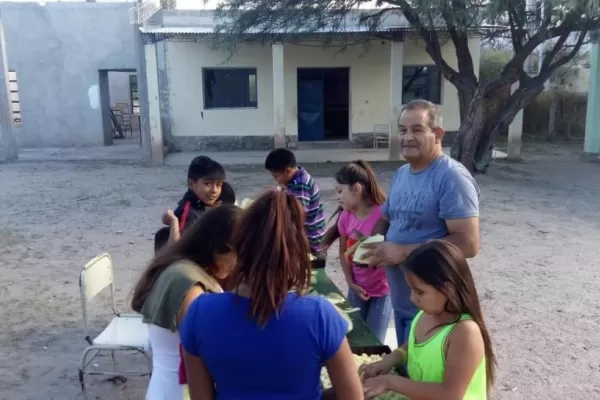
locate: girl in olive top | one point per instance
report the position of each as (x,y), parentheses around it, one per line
(449,352)
(197,264)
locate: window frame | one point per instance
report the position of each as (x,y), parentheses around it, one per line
(248,104)
(135,102)
(440,81)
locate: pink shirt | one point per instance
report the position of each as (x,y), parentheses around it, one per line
(373,281)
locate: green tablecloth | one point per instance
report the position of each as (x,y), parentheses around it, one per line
(360,336)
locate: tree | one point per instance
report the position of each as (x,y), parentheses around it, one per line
(563,25)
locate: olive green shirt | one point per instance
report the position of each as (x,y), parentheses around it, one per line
(166,297)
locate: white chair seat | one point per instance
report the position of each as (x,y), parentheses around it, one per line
(126,331)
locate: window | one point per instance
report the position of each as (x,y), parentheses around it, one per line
(135,97)
(13,91)
(230,88)
(421,82)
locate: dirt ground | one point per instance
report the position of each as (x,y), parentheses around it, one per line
(537,270)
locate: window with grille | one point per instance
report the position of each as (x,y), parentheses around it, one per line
(230,88)
(133,92)
(15,103)
(421,82)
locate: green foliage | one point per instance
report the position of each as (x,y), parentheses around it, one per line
(492,63)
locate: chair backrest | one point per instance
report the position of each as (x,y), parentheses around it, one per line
(381,129)
(96,276)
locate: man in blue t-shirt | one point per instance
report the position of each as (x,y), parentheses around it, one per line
(431,197)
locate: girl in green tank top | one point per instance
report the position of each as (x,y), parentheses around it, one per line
(449,353)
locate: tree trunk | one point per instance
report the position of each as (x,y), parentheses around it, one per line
(471,126)
(473,146)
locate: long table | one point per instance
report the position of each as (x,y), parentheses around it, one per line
(360,337)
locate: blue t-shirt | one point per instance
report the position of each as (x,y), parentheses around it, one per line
(419,203)
(282,360)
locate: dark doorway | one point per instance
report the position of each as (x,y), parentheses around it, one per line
(323,104)
(120,106)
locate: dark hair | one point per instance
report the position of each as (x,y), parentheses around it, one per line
(360,172)
(203,167)
(434,116)
(272,253)
(442,265)
(280,159)
(227,194)
(212,234)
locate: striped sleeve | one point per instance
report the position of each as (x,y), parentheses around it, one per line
(307,192)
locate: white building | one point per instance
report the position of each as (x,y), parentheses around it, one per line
(278,94)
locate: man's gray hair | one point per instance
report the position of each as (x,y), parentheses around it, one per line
(433,113)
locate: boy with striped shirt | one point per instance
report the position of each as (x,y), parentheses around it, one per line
(282,165)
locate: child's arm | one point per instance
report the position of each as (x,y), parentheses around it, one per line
(464,352)
(385,365)
(173,222)
(344,262)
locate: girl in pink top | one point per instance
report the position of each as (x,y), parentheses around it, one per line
(360,199)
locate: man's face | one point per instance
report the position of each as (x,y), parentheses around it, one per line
(207,190)
(418,141)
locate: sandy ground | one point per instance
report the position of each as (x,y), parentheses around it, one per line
(537,271)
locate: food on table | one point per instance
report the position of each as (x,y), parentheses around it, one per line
(360,360)
(335,298)
(359,254)
(246,203)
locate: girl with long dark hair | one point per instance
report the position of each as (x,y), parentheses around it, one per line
(196,264)
(449,350)
(267,340)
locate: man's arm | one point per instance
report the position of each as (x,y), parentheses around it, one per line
(459,208)
(464,234)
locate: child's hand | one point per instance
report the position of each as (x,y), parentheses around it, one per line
(368,371)
(375,386)
(170,217)
(360,292)
(166,219)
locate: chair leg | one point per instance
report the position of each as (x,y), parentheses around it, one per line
(149,362)
(112,355)
(82,384)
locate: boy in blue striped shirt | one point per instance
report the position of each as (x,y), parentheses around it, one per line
(282,165)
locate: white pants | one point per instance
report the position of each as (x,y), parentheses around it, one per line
(164,383)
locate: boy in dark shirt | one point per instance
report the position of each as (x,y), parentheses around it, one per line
(206,188)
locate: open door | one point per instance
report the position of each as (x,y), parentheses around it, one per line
(310,110)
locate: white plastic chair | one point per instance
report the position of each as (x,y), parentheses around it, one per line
(381,134)
(123,333)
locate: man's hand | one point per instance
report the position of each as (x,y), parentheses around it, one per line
(386,253)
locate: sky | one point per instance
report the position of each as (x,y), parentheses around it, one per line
(181,4)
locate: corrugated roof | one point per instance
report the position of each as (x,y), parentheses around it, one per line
(202,22)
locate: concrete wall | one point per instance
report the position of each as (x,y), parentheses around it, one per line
(193,127)
(57,51)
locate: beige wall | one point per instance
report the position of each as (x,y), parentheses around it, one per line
(369,85)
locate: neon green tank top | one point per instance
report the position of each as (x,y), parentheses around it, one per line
(427,362)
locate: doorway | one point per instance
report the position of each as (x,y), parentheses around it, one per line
(119,101)
(323,104)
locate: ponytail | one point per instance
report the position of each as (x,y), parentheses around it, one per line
(374,192)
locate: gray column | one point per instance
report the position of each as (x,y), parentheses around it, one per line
(140,59)
(156,134)
(11,149)
(278,95)
(396,67)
